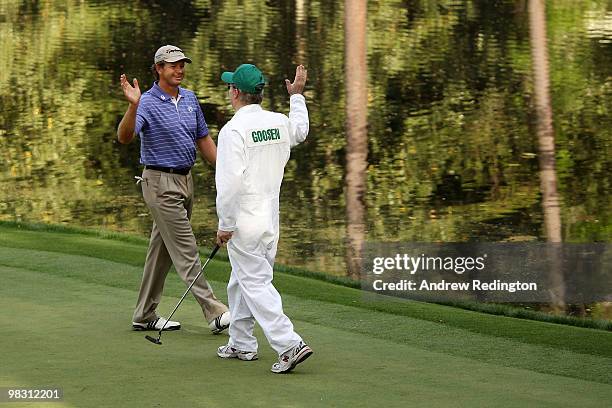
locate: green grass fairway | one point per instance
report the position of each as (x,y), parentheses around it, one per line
(66,302)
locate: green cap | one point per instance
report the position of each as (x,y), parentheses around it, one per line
(247,77)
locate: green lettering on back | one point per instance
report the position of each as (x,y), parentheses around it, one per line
(265,135)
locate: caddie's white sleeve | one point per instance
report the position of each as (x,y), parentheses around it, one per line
(231,163)
(298,119)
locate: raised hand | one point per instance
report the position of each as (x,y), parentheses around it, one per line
(132,93)
(297,87)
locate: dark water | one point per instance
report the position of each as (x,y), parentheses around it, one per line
(452,142)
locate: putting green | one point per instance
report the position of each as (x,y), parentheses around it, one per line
(67,299)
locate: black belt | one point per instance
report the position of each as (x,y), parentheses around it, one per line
(184,171)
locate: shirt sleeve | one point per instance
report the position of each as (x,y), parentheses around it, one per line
(231,164)
(141,118)
(298,119)
(202,127)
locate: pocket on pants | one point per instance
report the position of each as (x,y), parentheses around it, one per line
(254,233)
(151,186)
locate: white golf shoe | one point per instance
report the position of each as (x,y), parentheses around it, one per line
(289,359)
(220,323)
(156,324)
(228,351)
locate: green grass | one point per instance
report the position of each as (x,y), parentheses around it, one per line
(490,308)
(66,300)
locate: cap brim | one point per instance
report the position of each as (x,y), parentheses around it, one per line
(178,59)
(228,77)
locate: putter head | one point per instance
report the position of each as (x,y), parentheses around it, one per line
(153,340)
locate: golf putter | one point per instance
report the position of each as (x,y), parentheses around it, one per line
(157,340)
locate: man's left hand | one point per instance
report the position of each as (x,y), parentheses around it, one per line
(223,237)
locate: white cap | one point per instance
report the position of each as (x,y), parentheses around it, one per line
(170,53)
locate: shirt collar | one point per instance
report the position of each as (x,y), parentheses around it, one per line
(159,93)
(248,109)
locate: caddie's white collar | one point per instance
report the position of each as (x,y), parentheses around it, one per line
(249,109)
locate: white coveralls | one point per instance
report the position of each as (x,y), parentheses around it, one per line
(253,148)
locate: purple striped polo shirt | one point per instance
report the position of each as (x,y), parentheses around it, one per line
(167,131)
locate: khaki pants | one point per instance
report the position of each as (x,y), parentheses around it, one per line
(170,200)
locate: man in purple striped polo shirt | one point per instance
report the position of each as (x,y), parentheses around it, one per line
(170,124)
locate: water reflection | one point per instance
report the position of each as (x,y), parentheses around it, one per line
(451,134)
(356,111)
(551,203)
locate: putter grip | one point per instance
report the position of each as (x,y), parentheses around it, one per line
(214,251)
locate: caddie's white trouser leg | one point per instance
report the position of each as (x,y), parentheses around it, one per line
(242,320)
(252,274)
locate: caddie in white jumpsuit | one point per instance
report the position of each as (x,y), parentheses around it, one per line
(253,148)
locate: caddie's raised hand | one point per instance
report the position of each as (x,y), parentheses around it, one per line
(131,93)
(297,87)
